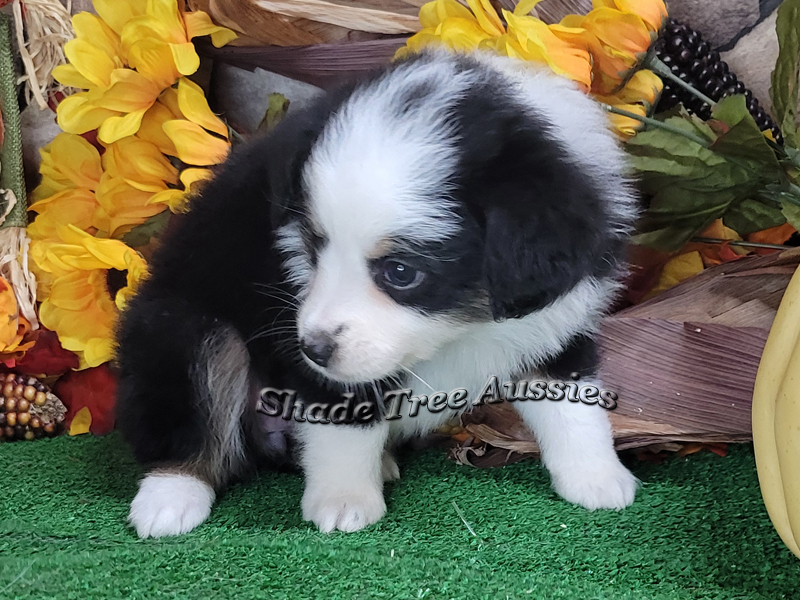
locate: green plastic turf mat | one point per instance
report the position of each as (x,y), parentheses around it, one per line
(698,530)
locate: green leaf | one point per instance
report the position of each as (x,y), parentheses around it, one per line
(792,214)
(749,216)
(743,142)
(784,88)
(153,227)
(692,185)
(676,214)
(277,105)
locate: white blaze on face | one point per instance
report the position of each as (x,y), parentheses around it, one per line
(377,175)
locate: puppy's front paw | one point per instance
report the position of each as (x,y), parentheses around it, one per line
(345,510)
(170,504)
(597,484)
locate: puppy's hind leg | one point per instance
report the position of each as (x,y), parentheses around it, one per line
(181,409)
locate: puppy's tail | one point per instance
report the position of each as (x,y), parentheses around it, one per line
(185,385)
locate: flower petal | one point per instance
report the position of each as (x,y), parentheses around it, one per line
(525,7)
(76,114)
(154,60)
(129,91)
(116,128)
(627,126)
(199,24)
(487,16)
(90,61)
(74,207)
(117,13)
(69,76)
(90,28)
(186,59)
(176,200)
(138,160)
(193,104)
(434,13)
(70,156)
(151,129)
(190,177)
(168,14)
(652,12)
(196,146)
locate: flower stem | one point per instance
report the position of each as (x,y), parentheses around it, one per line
(653,63)
(705,240)
(657,124)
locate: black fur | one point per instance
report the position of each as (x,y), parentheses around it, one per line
(578,360)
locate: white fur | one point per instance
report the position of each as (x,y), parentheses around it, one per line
(170,504)
(296,266)
(577,448)
(344,470)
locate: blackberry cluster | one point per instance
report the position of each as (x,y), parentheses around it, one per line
(692,59)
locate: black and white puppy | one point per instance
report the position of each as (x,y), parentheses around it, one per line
(448,219)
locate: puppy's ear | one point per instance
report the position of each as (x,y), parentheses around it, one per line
(533,257)
(545,225)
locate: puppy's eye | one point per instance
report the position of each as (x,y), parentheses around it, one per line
(400,275)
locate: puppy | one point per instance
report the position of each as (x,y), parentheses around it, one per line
(446,220)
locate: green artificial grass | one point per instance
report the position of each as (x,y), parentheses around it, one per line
(698,530)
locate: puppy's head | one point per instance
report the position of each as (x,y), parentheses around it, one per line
(430,202)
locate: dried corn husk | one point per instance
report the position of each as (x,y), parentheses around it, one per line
(41,35)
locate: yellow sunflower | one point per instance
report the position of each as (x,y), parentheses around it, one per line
(124,59)
(450,24)
(619,34)
(89,280)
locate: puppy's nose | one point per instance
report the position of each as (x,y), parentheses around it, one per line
(318,347)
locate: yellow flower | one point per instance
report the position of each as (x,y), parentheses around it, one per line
(153,38)
(627,126)
(619,34)
(179,125)
(82,301)
(69,161)
(640,93)
(158,43)
(652,12)
(448,23)
(135,170)
(562,49)
(71,170)
(76,207)
(13,326)
(93,55)
(116,110)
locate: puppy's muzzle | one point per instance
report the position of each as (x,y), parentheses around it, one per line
(318,347)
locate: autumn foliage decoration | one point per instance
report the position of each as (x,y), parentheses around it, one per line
(138,138)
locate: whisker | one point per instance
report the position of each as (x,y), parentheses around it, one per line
(418,377)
